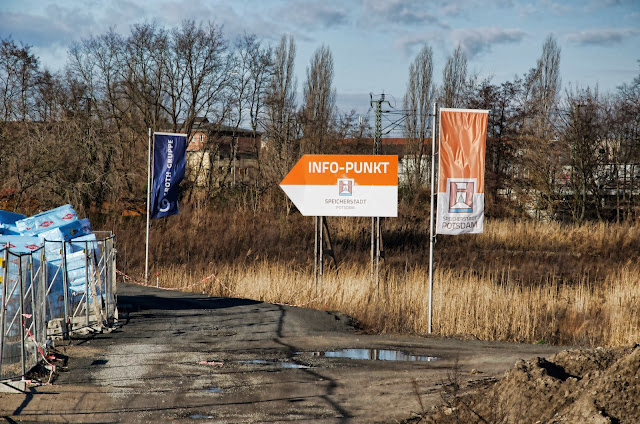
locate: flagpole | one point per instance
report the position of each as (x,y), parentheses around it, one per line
(146,259)
(431,236)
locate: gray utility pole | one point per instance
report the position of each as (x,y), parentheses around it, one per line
(377,250)
(377,137)
(376,233)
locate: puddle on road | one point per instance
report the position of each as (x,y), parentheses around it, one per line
(276,363)
(213,390)
(374,355)
(201,417)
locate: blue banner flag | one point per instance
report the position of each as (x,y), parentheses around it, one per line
(169,151)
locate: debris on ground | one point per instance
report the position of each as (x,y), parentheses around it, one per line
(589,386)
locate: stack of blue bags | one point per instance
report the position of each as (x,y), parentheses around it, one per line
(23,235)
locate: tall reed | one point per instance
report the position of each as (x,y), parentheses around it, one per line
(521,280)
(487,306)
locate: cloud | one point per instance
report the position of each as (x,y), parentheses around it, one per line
(313,15)
(52,57)
(39,30)
(405,12)
(410,41)
(602,37)
(477,40)
(540,8)
(558,8)
(612,3)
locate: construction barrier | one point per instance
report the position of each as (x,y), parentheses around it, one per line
(49,292)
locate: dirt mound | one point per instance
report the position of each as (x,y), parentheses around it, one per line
(575,386)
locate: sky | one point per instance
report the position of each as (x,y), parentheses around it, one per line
(373,42)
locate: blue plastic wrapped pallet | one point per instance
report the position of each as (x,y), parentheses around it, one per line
(20,244)
(46,221)
(88,242)
(7,217)
(7,222)
(72,229)
(17,267)
(8,229)
(51,229)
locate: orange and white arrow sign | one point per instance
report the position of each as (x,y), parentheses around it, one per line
(344,185)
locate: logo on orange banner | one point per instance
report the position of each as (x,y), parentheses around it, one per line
(461,196)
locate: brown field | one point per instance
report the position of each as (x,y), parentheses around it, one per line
(519,281)
(468,306)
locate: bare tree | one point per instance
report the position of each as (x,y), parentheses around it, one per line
(247,85)
(197,76)
(317,113)
(417,101)
(546,86)
(280,107)
(103,115)
(454,79)
(624,132)
(145,59)
(353,133)
(542,156)
(18,75)
(260,71)
(98,63)
(586,150)
(47,97)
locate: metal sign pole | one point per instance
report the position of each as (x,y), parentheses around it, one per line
(21,319)
(315,258)
(321,251)
(42,297)
(65,290)
(373,243)
(107,257)
(378,239)
(146,260)
(86,282)
(3,303)
(432,238)
(34,311)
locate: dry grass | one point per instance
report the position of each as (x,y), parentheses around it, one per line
(519,281)
(606,314)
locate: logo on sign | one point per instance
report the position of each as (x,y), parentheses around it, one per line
(68,216)
(32,247)
(461,196)
(345,186)
(9,245)
(46,224)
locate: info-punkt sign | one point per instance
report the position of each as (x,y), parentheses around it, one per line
(344,185)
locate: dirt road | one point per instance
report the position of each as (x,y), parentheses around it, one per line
(190,358)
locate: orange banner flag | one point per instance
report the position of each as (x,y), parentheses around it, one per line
(463,135)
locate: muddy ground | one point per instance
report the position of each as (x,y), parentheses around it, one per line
(587,386)
(179,357)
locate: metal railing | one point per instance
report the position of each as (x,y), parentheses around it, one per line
(51,292)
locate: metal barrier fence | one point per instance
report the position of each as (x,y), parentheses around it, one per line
(49,293)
